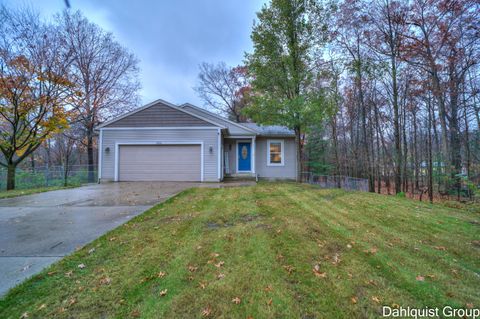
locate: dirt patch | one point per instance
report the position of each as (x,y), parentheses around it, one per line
(213,225)
(250,218)
(264,226)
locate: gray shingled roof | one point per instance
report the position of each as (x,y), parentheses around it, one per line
(270,130)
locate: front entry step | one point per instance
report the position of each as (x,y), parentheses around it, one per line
(240,177)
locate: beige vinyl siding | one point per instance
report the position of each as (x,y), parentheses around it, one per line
(287,171)
(159,115)
(159,163)
(207,136)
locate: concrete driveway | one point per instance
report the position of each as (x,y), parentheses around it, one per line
(36,230)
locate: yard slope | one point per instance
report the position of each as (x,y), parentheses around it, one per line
(268,251)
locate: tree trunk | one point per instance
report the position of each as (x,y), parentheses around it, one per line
(10,176)
(468,162)
(32,162)
(415,151)
(91,173)
(298,142)
(404,151)
(396,126)
(429,155)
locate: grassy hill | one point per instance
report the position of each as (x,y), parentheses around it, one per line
(268,251)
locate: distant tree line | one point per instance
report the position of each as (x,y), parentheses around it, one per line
(58,80)
(381,89)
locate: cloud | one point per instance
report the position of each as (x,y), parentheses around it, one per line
(171,38)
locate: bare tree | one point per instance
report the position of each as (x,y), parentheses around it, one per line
(106,73)
(223,88)
(65,152)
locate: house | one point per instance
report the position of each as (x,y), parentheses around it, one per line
(165,142)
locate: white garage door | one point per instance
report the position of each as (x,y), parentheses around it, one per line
(159,163)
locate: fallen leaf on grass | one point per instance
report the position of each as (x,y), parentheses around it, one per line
(469,305)
(336,259)
(105,281)
(81,266)
(203,285)
(24,315)
(219,264)
(51,273)
(268,288)
(420,278)
(371,251)
(214,255)
(161,274)
(69,273)
(289,268)
(192,268)
(236,300)
(42,306)
(354,299)
(370,282)
(220,276)
(135,313)
(91,251)
(431,276)
(112,238)
(376,299)
(269,302)
(163,292)
(440,248)
(206,311)
(318,273)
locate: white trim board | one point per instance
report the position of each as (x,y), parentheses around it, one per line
(239,136)
(118,144)
(100,155)
(219,117)
(160,128)
(173,106)
(219,156)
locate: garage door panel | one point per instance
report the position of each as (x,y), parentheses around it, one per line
(159,163)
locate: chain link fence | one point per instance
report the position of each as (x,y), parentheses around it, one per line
(49,176)
(344,182)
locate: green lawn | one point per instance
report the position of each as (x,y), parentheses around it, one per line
(29,191)
(267,251)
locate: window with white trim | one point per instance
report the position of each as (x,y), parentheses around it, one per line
(275,153)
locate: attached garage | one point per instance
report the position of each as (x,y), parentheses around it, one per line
(153,162)
(160,142)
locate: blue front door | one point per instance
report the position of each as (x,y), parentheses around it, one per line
(244,157)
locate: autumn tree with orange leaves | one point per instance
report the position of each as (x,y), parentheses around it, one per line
(34,86)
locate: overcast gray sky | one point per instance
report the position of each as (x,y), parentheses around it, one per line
(170,37)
